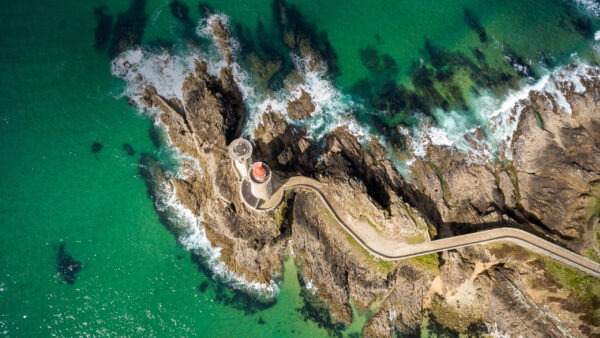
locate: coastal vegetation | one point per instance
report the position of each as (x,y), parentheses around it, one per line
(428,262)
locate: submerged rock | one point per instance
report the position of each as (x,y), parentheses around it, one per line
(128,149)
(66,265)
(96,147)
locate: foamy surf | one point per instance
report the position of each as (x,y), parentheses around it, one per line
(192,237)
(486,134)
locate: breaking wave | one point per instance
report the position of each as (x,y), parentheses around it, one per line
(483,135)
(193,238)
(487,134)
(589,6)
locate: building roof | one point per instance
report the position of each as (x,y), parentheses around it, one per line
(240,149)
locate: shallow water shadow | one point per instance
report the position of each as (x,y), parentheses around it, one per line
(226,295)
(473,22)
(129,28)
(66,265)
(96,147)
(103,28)
(315,310)
(128,149)
(298,34)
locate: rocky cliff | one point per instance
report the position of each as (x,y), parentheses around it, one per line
(550,186)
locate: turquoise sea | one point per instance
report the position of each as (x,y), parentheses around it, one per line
(71,192)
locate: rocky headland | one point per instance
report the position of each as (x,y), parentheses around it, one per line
(550,186)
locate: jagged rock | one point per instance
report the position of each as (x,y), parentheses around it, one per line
(283,146)
(548,185)
(302,107)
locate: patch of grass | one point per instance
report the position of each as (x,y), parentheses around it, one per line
(432,231)
(416,239)
(584,290)
(511,170)
(593,255)
(373,225)
(280,214)
(383,266)
(538,119)
(429,262)
(422,225)
(597,209)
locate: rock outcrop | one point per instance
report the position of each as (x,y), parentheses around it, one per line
(302,107)
(547,187)
(550,185)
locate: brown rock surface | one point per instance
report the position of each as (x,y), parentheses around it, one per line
(302,107)
(548,186)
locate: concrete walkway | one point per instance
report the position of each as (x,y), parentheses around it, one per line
(389,249)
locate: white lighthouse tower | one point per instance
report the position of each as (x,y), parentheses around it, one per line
(260,178)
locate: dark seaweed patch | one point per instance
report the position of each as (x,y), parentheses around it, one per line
(472,21)
(315,310)
(261,321)
(518,64)
(436,84)
(577,21)
(265,55)
(128,149)
(181,12)
(299,35)
(156,136)
(129,28)
(412,333)
(66,265)
(234,298)
(103,28)
(205,9)
(96,147)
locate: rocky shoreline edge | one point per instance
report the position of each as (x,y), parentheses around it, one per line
(550,187)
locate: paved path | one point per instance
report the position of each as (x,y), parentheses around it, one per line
(389,249)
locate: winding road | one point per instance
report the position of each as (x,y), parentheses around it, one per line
(389,249)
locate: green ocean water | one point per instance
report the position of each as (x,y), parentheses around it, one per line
(58,97)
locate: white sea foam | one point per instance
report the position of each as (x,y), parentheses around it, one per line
(192,237)
(310,286)
(333,109)
(487,134)
(167,72)
(484,135)
(589,6)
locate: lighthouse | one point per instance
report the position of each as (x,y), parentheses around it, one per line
(260,179)
(256,186)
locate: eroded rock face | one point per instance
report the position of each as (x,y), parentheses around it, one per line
(547,186)
(302,107)
(284,147)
